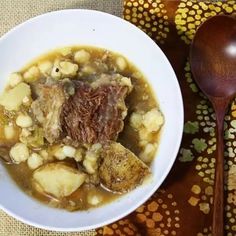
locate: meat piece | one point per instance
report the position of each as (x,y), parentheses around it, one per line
(120,170)
(47,109)
(96,111)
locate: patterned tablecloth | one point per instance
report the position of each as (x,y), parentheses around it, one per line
(183,204)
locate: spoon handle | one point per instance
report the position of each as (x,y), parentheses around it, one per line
(218,208)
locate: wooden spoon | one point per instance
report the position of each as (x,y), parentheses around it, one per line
(213,64)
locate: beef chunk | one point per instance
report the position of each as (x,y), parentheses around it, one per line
(95,112)
(47,109)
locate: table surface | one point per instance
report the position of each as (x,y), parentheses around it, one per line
(183,204)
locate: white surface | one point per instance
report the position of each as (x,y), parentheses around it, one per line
(86,27)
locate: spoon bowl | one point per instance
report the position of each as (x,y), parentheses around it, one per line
(213,65)
(213,56)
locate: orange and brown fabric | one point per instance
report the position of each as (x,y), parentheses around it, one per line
(183,205)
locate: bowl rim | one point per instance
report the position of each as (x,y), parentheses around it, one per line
(175,149)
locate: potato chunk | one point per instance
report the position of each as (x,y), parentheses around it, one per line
(57,179)
(12,99)
(120,170)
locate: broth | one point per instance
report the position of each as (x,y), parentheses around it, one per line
(141,99)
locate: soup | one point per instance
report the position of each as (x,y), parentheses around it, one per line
(79,126)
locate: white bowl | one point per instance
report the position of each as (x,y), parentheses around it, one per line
(87,27)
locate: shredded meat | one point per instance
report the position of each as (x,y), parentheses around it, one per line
(95,113)
(47,109)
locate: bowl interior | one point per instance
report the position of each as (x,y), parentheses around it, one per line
(86,27)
